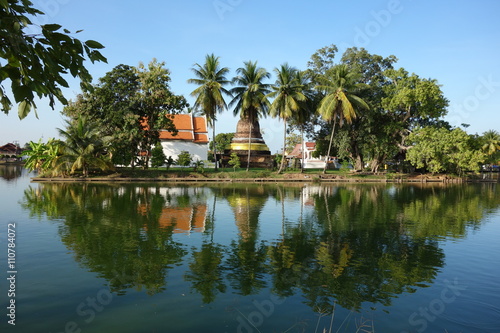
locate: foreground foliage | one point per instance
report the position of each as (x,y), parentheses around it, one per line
(35,63)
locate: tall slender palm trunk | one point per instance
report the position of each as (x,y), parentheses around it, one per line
(303,149)
(215,145)
(249,145)
(284,149)
(329,146)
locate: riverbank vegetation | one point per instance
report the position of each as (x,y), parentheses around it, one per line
(362,109)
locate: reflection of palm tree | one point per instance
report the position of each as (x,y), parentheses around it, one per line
(247,259)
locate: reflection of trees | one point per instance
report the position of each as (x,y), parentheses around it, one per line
(246,262)
(11,171)
(360,243)
(109,234)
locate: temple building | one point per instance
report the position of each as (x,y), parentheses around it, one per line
(247,137)
(192,136)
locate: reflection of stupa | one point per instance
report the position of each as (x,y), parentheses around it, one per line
(247,205)
(248,135)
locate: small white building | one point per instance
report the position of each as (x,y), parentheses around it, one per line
(304,152)
(192,136)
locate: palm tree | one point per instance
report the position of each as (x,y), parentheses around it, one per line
(83,148)
(306,111)
(250,96)
(491,142)
(211,79)
(287,94)
(339,104)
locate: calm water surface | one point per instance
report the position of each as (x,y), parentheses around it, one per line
(251,258)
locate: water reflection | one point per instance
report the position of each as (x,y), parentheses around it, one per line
(11,171)
(344,244)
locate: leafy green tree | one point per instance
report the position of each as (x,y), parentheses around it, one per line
(184,159)
(211,79)
(112,107)
(292,140)
(287,92)
(222,142)
(442,150)
(35,64)
(234,161)
(340,101)
(83,148)
(250,95)
(158,157)
(156,102)
(412,102)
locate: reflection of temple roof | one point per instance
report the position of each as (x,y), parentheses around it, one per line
(183,219)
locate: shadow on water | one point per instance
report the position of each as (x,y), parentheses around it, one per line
(340,244)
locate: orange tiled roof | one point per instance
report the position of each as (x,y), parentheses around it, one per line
(189,128)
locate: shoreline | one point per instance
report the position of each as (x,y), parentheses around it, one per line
(422,180)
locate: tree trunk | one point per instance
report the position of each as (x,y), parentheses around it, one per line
(302,149)
(249,145)
(358,165)
(330,146)
(215,145)
(284,147)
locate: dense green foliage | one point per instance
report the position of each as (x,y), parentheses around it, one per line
(158,157)
(35,63)
(439,149)
(184,159)
(131,105)
(234,161)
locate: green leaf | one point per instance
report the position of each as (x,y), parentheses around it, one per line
(94,45)
(51,27)
(4,4)
(24,109)
(66,31)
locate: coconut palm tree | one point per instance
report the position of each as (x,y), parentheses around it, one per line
(250,96)
(287,93)
(306,111)
(340,101)
(211,79)
(83,148)
(491,142)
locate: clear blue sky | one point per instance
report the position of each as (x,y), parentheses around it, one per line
(456,42)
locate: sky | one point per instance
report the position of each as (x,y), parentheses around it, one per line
(455,42)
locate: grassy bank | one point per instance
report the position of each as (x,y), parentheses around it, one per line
(256,174)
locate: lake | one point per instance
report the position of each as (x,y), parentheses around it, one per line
(162,257)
